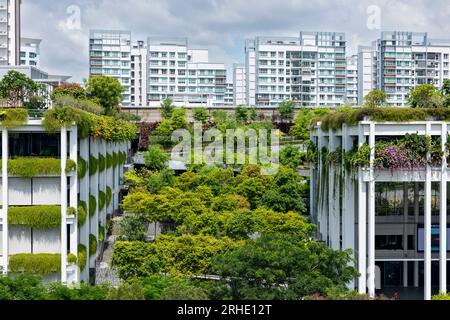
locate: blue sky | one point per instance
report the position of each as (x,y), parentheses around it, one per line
(218,25)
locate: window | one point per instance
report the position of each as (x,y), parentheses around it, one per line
(389,242)
(411,243)
(389,199)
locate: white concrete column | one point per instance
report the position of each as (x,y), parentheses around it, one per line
(348,209)
(371,216)
(84,196)
(5,199)
(333,199)
(63,205)
(94,187)
(427,227)
(322,212)
(416,274)
(405,274)
(362,224)
(73,199)
(443,216)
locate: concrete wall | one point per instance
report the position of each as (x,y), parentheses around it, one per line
(44,241)
(34,192)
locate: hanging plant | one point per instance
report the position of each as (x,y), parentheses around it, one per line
(92,245)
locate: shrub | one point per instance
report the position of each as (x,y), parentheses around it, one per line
(92,245)
(101,233)
(38,217)
(201,115)
(156,158)
(181,291)
(441,296)
(71,258)
(101,163)
(109,161)
(92,206)
(115,160)
(101,200)
(32,167)
(13,117)
(127,292)
(81,214)
(82,168)
(82,256)
(93,165)
(40,264)
(108,196)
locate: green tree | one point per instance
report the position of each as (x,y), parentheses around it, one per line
(425,96)
(21,287)
(167,108)
(282,267)
(179,292)
(132,227)
(286,110)
(106,91)
(241,113)
(155,285)
(375,98)
(127,292)
(163,133)
(179,119)
(20,91)
(156,159)
(290,156)
(301,129)
(285,192)
(201,115)
(73,90)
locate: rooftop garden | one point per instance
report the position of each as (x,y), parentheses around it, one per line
(425,103)
(94,109)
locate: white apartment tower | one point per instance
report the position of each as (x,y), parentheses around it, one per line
(10,32)
(309,69)
(239,84)
(30,52)
(352,81)
(184,75)
(367,72)
(110,55)
(404,60)
(139,74)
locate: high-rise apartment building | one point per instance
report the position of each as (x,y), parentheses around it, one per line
(10,32)
(185,75)
(139,74)
(110,55)
(351,97)
(367,71)
(401,61)
(239,84)
(30,52)
(229,95)
(309,69)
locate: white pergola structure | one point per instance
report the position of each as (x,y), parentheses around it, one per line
(345,215)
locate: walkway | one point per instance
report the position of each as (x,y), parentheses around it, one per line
(104,274)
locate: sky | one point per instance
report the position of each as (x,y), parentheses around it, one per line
(218,25)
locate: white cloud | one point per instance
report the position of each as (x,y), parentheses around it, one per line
(220,25)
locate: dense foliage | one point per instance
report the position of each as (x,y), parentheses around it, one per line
(36,217)
(39,264)
(32,167)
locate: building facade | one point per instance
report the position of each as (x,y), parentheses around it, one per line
(30,52)
(139,74)
(72,193)
(10,32)
(393,219)
(185,75)
(309,69)
(110,55)
(239,85)
(351,86)
(403,61)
